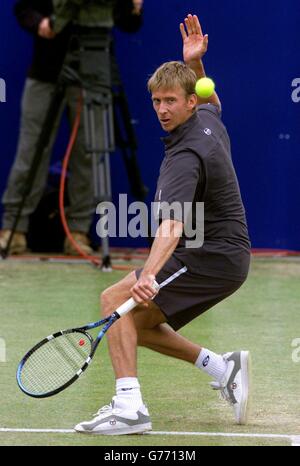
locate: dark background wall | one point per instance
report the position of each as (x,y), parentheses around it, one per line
(253,57)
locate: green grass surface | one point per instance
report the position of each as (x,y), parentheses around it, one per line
(263,316)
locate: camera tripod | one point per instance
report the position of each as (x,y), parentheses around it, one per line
(88,66)
(98,115)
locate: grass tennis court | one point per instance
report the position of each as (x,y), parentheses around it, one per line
(263,316)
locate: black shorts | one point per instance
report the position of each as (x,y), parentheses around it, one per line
(186,295)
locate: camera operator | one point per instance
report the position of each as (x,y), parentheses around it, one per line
(49,51)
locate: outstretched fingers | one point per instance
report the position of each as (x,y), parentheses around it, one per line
(192,25)
(197,25)
(183,31)
(188,25)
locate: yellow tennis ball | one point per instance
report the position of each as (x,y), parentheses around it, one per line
(205,87)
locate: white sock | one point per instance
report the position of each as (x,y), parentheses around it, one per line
(128,393)
(211,363)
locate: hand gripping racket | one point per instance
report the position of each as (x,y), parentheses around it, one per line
(60,359)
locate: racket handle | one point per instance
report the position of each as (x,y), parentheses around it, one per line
(131,304)
(126,307)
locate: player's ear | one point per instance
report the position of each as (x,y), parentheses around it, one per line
(193,100)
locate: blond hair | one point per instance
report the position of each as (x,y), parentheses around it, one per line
(173,74)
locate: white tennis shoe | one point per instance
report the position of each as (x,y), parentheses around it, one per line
(115,419)
(235,384)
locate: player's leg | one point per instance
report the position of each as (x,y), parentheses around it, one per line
(127,411)
(182,300)
(163,339)
(146,326)
(230,371)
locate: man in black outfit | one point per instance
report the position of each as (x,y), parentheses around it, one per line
(197,168)
(49,51)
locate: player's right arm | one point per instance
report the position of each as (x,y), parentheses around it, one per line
(166,240)
(194,48)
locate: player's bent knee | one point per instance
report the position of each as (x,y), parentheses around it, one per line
(106,302)
(113,297)
(110,299)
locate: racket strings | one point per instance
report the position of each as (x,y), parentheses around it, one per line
(55,363)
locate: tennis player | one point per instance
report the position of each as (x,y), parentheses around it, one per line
(197,168)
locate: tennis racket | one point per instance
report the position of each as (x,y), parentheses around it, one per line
(59,360)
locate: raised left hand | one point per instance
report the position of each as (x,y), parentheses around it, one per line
(194,43)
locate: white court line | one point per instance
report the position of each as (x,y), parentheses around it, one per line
(38,431)
(221,434)
(294,439)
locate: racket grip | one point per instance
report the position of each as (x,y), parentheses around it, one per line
(126,307)
(131,304)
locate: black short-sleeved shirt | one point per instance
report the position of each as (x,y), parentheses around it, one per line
(198,168)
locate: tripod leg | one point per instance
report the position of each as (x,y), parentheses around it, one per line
(97,130)
(106,190)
